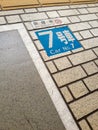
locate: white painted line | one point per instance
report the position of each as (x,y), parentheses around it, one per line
(58,101)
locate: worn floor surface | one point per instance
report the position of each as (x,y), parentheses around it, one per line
(24,102)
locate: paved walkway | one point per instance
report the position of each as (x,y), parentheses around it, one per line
(70,78)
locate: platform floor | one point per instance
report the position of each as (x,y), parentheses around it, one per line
(70,79)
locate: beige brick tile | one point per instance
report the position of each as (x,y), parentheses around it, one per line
(88,17)
(9,12)
(51,67)
(96,51)
(52,14)
(86,34)
(33,35)
(62,63)
(94,31)
(78,36)
(2,20)
(34,16)
(84,126)
(96,61)
(68,12)
(82,57)
(93,10)
(83,11)
(90,68)
(65,20)
(13,19)
(46,58)
(85,105)
(78,89)
(39,45)
(94,23)
(77,50)
(74,19)
(89,43)
(79,26)
(92,82)
(29,26)
(69,75)
(93,120)
(68,97)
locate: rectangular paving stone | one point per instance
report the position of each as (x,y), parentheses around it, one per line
(90,43)
(13,19)
(74,19)
(83,11)
(34,16)
(92,82)
(10,12)
(96,51)
(86,34)
(90,68)
(79,26)
(77,50)
(82,57)
(46,58)
(93,10)
(68,12)
(2,20)
(78,36)
(84,126)
(69,75)
(29,26)
(93,120)
(51,67)
(32,33)
(94,23)
(65,20)
(52,14)
(38,44)
(78,89)
(68,97)
(88,17)
(94,31)
(85,105)
(62,63)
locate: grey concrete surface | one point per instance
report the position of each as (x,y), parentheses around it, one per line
(24,101)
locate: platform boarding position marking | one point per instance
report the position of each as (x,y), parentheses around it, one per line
(57,40)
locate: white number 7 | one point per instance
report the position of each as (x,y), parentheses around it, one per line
(50,33)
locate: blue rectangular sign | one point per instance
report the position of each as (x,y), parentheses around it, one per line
(57,40)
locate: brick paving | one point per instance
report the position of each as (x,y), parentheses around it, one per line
(75,73)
